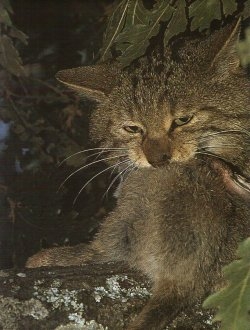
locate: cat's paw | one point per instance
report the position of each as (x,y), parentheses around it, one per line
(40,259)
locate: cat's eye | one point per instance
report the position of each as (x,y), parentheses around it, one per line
(133,129)
(182,120)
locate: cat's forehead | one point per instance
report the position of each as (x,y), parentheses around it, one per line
(142,92)
(177,89)
(160,94)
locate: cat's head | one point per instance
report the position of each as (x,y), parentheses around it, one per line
(194,103)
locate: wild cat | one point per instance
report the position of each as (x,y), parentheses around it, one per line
(181,125)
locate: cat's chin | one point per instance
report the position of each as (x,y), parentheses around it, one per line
(234,182)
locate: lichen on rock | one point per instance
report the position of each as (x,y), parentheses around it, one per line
(115,290)
(63,299)
(86,325)
(12,310)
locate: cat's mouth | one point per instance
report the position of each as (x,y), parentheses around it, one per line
(233,179)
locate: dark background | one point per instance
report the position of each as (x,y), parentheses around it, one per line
(41,123)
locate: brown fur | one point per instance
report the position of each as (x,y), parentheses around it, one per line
(179,216)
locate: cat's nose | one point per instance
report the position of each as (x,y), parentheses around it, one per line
(160,160)
(157,151)
(165,157)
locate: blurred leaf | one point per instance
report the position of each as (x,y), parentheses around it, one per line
(229,7)
(244,49)
(246,11)
(4,17)
(15,33)
(6,4)
(203,13)
(9,57)
(134,39)
(178,22)
(233,301)
(115,25)
(18,129)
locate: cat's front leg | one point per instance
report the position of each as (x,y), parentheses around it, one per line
(105,247)
(163,307)
(110,244)
(62,256)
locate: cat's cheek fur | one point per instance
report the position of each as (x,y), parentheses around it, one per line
(138,158)
(183,153)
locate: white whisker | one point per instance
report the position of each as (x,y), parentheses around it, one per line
(87,165)
(217,146)
(211,155)
(116,177)
(114,169)
(85,158)
(92,149)
(99,173)
(225,132)
(243,130)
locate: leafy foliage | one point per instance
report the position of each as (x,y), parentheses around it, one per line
(244,49)
(132,25)
(178,22)
(9,57)
(135,37)
(233,301)
(229,7)
(246,12)
(114,27)
(203,13)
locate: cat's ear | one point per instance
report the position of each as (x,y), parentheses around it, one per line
(94,82)
(225,58)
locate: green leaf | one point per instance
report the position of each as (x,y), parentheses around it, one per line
(114,27)
(9,57)
(137,13)
(203,13)
(178,22)
(233,301)
(133,41)
(244,49)
(229,7)
(246,11)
